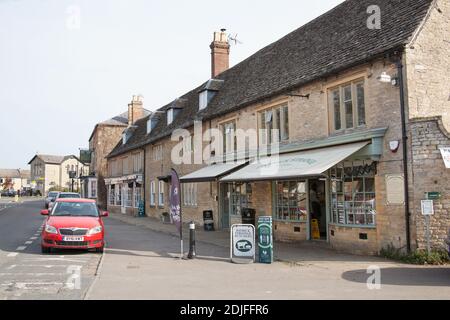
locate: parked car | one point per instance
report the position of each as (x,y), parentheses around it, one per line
(73,224)
(50,198)
(63,195)
(8,193)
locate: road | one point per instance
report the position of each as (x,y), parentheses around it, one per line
(143,264)
(25,273)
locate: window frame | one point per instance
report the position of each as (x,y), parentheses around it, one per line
(287,205)
(152,194)
(277,115)
(161,191)
(342,108)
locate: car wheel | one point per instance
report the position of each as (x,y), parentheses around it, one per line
(46,249)
(99,250)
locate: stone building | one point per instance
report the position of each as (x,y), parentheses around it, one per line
(343,124)
(103,139)
(52,172)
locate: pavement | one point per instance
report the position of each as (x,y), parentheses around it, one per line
(142,262)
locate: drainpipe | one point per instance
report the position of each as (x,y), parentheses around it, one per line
(399,65)
(143,178)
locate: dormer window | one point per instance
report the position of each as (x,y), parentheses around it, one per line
(203,100)
(208,91)
(151,124)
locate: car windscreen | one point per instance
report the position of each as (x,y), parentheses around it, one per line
(75,209)
(69,195)
(52,194)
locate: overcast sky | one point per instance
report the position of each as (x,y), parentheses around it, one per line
(66,65)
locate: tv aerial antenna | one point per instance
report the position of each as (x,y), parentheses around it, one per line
(234,39)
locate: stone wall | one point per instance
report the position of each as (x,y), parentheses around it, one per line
(430,175)
(103,141)
(428,66)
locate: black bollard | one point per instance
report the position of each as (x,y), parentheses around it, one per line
(191,254)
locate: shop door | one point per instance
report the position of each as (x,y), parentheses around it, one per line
(317,212)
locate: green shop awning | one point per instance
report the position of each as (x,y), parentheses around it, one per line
(306,163)
(212,172)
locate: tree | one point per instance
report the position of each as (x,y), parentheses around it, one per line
(8,184)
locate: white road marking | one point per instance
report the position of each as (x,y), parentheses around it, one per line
(47,266)
(33,238)
(32,274)
(28,242)
(12,254)
(21,248)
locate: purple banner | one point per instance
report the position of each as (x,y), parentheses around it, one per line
(175,200)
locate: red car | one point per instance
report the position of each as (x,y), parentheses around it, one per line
(73,224)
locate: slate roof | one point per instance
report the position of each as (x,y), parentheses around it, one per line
(335,41)
(9,173)
(51,159)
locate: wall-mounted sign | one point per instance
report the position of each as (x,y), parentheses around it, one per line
(242,246)
(395,189)
(432,195)
(445,152)
(427,207)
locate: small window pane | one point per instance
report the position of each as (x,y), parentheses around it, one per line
(348,106)
(361,105)
(336,109)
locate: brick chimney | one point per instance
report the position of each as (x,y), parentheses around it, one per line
(220,53)
(135,110)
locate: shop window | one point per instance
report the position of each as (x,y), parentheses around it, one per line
(118,199)
(112,195)
(290,201)
(353,193)
(240,197)
(347,106)
(128,195)
(137,195)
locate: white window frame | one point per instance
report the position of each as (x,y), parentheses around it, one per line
(137,196)
(152,194)
(189,194)
(203,100)
(161,187)
(169,116)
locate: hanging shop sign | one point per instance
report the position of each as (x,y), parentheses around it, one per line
(265,239)
(242,246)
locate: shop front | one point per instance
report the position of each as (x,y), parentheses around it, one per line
(308,193)
(125,194)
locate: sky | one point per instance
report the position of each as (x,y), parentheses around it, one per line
(67,65)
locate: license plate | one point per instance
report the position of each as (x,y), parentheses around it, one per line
(73,238)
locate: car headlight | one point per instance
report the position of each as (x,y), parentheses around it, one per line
(50,229)
(95,230)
